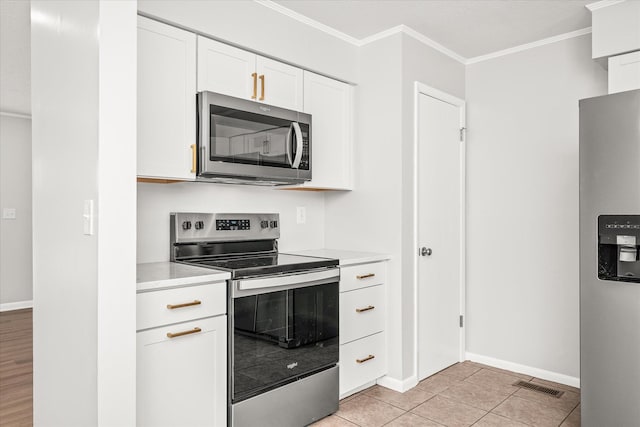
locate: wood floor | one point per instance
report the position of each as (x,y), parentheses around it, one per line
(16,368)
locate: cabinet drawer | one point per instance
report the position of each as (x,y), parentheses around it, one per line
(181,304)
(357,366)
(363,275)
(361,313)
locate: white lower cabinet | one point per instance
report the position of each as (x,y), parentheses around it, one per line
(182,367)
(363,355)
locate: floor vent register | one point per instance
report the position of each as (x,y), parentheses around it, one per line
(538,388)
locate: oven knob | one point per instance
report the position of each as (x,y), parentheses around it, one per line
(199,225)
(264,224)
(186,225)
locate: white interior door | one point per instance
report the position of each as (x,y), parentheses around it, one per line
(440,232)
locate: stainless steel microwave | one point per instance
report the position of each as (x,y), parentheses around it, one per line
(242,141)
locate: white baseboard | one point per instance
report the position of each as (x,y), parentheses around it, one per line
(524,369)
(18,305)
(398,385)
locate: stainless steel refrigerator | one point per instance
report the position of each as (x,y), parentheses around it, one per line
(609,260)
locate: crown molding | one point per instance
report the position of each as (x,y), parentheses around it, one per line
(360,42)
(308,21)
(15,115)
(408,31)
(528,46)
(426,40)
(601,4)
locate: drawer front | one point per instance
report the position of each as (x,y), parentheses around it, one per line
(357,367)
(363,275)
(180,304)
(361,313)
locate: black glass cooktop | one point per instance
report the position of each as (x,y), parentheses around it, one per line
(255,265)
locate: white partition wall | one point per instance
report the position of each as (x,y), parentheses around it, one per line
(83,108)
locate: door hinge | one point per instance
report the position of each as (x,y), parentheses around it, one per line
(462,131)
(461,320)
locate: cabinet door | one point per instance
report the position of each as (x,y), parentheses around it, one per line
(226,69)
(330,104)
(182,381)
(280,83)
(166,101)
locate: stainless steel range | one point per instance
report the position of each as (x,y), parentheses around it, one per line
(283,317)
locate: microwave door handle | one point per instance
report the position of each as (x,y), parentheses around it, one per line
(298,158)
(289,147)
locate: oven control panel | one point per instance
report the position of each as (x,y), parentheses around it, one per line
(233,224)
(187,227)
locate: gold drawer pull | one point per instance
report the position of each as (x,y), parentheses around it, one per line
(186,304)
(366,359)
(360,310)
(366,276)
(179,334)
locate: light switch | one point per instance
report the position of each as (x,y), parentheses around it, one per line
(87,217)
(9,213)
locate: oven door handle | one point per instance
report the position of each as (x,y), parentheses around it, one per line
(289,281)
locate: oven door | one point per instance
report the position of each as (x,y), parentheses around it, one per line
(281,329)
(243,139)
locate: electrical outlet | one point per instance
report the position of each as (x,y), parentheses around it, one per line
(9,213)
(301,214)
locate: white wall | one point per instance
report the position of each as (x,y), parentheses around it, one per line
(156,201)
(367,218)
(252,26)
(116,213)
(15,192)
(15,62)
(378,215)
(522,212)
(83,101)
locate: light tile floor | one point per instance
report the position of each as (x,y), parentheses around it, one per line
(465,394)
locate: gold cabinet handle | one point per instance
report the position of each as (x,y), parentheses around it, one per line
(366,359)
(179,334)
(185,304)
(255,85)
(262,87)
(365,276)
(194,158)
(360,310)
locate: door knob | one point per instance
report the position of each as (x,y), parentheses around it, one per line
(426,251)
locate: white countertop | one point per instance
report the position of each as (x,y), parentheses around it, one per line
(345,257)
(157,275)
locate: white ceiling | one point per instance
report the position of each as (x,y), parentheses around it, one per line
(470,28)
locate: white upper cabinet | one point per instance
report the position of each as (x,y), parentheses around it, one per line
(225,69)
(279,84)
(616,28)
(330,104)
(236,72)
(166,101)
